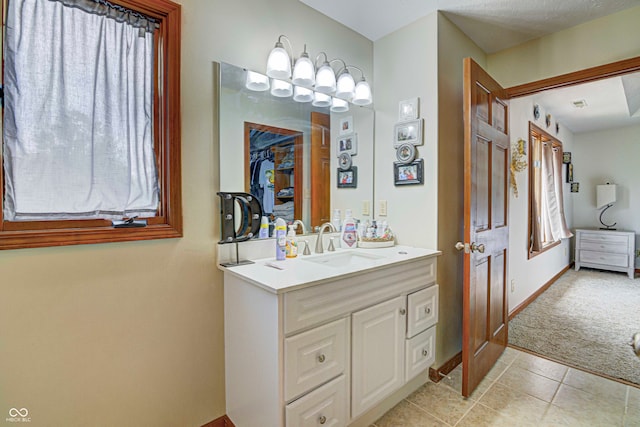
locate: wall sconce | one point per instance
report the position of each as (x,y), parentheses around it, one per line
(339,105)
(304,75)
(605,198)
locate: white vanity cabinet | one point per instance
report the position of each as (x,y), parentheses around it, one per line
(324,352)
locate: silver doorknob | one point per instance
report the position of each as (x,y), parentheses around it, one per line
(477,248)
(459,246)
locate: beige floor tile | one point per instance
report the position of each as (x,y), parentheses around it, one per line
(509,355)
(454,381)
(441,401)
(406,414)
(634,397)
(594,384)
(497,370)
(513,403)
(530,383)
(598,408)
(558,417)
(482,416)
(541,366)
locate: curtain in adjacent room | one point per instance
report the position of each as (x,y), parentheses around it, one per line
(78,130)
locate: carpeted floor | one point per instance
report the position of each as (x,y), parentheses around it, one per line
(585,319)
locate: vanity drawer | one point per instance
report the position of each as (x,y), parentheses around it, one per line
(604,238)
(617,260)
(422,309)
(324,407)
(315,356)
(420,353)
(604,247)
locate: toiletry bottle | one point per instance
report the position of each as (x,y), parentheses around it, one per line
(281,238)
(264,228)
(337,219)
(349,233)
(291,250)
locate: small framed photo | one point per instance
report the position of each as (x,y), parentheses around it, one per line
(575,187)
(346,125)
(344,161)
(566,157)
(408,173)
(409,109)
(348,144)
(569,172)
(348,178)
(406,153)
(408,132)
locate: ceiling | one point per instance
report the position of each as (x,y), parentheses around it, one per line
(610,103)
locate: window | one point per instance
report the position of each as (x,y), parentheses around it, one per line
(91,128)
(547,225)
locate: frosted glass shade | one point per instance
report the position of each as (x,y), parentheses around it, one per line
(302,94)
(345,86)
(605,195)
(281,88)
(304,72)
(321,100)
(325,79)
(339,105)
(279,64)
(256,81)
(362,94)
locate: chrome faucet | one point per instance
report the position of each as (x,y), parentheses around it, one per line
(332,229)
(301,224)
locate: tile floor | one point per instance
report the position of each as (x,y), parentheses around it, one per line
(520,390)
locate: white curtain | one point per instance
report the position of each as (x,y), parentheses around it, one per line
(553,219)
(78,130)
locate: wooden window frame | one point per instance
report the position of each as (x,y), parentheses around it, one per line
(555,143)
(167,144)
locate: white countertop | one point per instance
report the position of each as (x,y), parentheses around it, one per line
(295,273)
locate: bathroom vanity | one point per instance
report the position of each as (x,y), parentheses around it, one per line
(320,340)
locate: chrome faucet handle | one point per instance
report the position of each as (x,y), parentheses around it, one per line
(332,229)
(331,247)
(307,251)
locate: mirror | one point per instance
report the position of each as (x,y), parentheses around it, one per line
(300,161)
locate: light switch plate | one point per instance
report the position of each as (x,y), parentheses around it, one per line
(366,207)
(382,210)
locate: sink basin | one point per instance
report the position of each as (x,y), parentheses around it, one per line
(345,259)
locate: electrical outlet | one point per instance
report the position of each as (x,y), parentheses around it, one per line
(382,211)
(366,207)
(513,285)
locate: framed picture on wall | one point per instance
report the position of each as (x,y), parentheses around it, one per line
(575,187)
(348,178)
(346,125)
(408,173)
(347,144)
(409,109)
(566,157)
(569,172)
(408,133)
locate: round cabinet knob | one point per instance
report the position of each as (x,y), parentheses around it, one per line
(427,310)
(403,311)
(322,419)
(321,358)
(425,353)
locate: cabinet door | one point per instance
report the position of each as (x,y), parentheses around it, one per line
(377,353)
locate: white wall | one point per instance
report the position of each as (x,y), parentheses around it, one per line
(528,275)
(610,155)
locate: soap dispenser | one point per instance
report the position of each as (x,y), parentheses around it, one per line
(349,233)
(291,249)
(281,238)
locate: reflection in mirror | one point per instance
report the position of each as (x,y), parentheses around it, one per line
(285,153)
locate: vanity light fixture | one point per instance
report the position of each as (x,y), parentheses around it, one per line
(279,63)
(345,86)
(321,100)
(304,70)
(339,105)
(302,94)
(325,77)
(362,93)
(281,89)
(256,81)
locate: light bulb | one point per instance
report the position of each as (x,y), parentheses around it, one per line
(302,94)
(362,93)
(325,79)
(304,71)
(279,64)
(345,86)
(339,105)
(321,100)
(281,88)
(256,81)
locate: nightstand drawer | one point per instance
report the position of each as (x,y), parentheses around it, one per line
(618,260)
(605,247)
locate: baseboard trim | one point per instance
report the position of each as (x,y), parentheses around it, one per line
(436,375)
(223,421)
(537,293)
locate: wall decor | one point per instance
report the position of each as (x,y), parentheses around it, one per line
(569,172)
(348,178)
(348,144)
(408,173)
(346,125)
(566,157)
(408,132)
(547,120)
(406,153)
(344,161)
(557,128)
(409,109)
(518,162)
(536,112)
(575,187)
